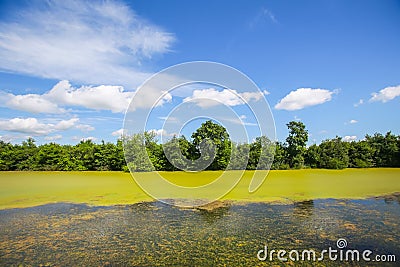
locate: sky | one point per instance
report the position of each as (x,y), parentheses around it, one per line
(69,69)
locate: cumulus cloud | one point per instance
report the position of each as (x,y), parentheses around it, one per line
(103,97)
(31,103)
(34,127)
(95,42)
(386,94)
(349,138)
(227,97)
(304,97)
(66,124)
(353,121)
(118,133)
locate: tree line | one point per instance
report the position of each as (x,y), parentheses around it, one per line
(144,153)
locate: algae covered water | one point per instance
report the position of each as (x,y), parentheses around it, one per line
(156,234)
(28,189)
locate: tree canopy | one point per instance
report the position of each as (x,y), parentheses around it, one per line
(144,153)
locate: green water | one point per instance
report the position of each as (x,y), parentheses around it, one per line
(28,189)
(155,234)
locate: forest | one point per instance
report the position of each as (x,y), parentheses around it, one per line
(376,150)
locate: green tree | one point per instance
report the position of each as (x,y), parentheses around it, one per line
(24,155)
(261,154)
(312,157)
(178,151)
(296,143)
(385,148)
(154,150)
(219,137)
(136,155)
(334,154)
(51,157)
(109,157)
(84,156)
(239,157)
(6,156)
(280,158)
(361,155)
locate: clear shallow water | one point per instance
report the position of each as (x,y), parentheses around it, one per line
(155,234)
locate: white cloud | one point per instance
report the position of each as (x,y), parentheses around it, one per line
(386,94)
(103,97)
(304,97)
(53,138)
(96,42)
(85,127)
(91,138)
(66,124)
(31,103)
(349,138)
(227,97)
(34,127)
(118,133)
(359,103)
(170,119)
(161,132)
(158,131)
(251,96)
(265,92)
(353,121)
(8,138)
(239,121)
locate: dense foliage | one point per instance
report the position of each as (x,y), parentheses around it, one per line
(374,151)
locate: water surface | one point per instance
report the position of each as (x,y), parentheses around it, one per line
(155,234)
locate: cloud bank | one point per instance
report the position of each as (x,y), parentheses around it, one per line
(103,97)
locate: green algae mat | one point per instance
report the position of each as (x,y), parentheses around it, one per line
(28,189)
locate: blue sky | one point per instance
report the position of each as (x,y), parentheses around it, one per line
(69,70)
